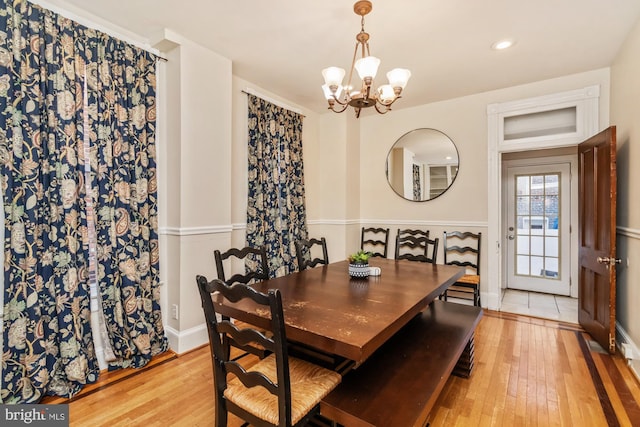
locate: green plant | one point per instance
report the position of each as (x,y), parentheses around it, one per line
(360,257)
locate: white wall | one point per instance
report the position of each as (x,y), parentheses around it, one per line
(195,170)
(625,111)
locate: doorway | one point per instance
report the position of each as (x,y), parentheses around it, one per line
(523,129)
(539,203)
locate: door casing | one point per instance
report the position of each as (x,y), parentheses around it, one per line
(587,101)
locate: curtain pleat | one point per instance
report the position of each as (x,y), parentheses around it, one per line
(127,203)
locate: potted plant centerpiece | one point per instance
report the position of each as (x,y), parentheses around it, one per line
(359,264)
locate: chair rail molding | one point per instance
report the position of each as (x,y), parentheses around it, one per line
(632,233)
(362,222)
(194,231)
(427,223)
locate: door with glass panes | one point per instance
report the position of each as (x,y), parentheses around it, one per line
(538,228)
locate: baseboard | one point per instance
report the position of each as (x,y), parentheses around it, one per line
(184,341)
(623,337)
(491,300)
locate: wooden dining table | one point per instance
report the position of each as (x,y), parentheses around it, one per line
(327,310)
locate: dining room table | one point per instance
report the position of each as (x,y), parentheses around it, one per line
(327,310)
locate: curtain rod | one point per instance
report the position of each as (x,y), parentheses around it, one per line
(89,20)
(253,92)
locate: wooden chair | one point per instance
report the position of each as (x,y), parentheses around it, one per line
(278,390)
(414,245)
(250,256)
(375,241)
(257,256)
(463,249)
(304,253)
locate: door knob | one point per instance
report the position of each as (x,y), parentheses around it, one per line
(609,261)
(511,237)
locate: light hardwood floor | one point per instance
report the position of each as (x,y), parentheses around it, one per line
(528,372)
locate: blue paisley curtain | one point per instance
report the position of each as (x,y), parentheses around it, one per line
(276,215)
(122,112)
(55,78)
(417,191)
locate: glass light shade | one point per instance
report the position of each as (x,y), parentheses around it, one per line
(367,67)
(333,76)
(386,93)
(398,77)
(328,94)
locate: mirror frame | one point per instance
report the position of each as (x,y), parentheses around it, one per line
(413,139)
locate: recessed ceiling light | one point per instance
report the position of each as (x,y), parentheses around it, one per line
(502,44)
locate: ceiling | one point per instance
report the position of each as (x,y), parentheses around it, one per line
(282,45)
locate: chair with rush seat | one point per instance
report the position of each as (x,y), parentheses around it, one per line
(276,391)
(463,249)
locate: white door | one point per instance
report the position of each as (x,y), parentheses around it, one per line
(538,228)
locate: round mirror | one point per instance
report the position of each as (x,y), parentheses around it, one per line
(422,164)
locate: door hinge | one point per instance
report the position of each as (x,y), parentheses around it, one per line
(612,344)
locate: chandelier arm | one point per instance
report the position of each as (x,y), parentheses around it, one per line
(388,104)
(344,107)
(385,111)
(340,102)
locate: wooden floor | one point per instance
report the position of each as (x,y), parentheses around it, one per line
(529,372)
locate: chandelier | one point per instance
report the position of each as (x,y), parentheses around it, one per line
(341,97)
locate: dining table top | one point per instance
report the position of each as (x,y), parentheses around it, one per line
(324,308)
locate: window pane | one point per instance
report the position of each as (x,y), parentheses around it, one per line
(537,265)
(551,267)
(551,184)
(537,245)
(522,205)
(537,184)
(523,224)
(551,245)
(523,265)
(551,204)
(522,185)
(523,245)
(537,205)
